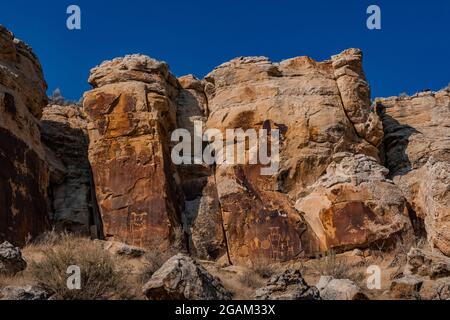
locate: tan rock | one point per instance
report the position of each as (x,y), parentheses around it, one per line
(131,113)
(407,287)
(417,140)
(354,204)
(321,109)
(339,289)
(182,278)
(427,264)
(24,174)
(202,217)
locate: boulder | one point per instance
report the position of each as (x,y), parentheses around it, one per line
(339,289)
(182,278)
(122,249)
(288,285)
(416,145)
(427,264)
(131,113)
(24,173)
(354,204)
(11,261)
(23,293)
(437,289)
(407,287)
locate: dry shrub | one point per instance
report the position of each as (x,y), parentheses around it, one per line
(264,267)
(329,264)
(101,277)
(251,279)
(154,260)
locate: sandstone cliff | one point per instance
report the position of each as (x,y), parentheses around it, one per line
(350,174)
(417,146)
(24,173)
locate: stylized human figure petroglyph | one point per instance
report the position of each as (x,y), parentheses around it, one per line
(138,227)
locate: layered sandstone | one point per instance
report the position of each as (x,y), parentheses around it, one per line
(321,109)
(24,174)
(417,148)
(131,113)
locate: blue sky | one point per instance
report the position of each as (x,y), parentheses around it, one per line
(410,53)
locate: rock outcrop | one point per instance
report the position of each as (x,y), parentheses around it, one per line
(417,147)
(407,287)
(321,109)
(23,293)
(73,203)
(202,217)
(288,285)
(339,289)
(11,261)
(131,113)
(354,204)
(182,278)
(24,174)
(427,264)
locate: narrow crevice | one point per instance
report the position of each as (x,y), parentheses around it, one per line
(225,239)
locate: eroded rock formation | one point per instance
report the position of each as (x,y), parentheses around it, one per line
(24,174)
(73,203)
(417,146)
(132,112)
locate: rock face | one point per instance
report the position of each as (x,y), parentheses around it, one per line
(288,285)
(181,278)
(339,289)
(407,287)
(11,261)
(202,216)
(131,113)
(320,109)
(328,188)
(427,264)
(354,204)
(64,132)
(417,144)
(24,174)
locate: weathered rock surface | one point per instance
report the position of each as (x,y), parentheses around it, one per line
(427,264)
(122,249)
(202,217)
(320,109)
(131,113)
(438,289)
(23,293)
(417,144)
(407,287)
(24,175)
(288,285)
(64,132)
(11,261)
(339,289)
(182,278)
(354,204)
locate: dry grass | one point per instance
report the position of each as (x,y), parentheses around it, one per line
(329,264)
(155,260)
(251,279)
(101,274)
